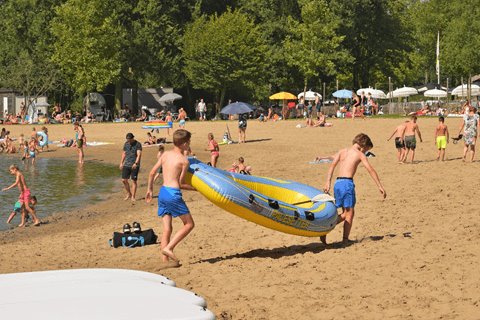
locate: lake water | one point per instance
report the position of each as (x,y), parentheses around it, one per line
(59,185)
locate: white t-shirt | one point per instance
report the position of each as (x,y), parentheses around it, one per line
(201,106)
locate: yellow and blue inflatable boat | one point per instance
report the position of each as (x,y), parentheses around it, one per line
(281,205)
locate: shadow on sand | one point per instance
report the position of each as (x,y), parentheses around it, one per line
(314,247)
(277,253)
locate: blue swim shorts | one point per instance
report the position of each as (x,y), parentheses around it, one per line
(344,192)
(170,202)
(181,122)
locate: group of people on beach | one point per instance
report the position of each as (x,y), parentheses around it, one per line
(405,136)
(173,165)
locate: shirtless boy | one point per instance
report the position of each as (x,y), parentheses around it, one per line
(344,190)
(411,129)
(399,143)
(174,166)
(442,137)
(24,193)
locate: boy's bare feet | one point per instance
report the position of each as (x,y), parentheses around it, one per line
(323,239)
(168,265)
(21,225)
(37,223)
(133,199)
(127,197)
(170,254)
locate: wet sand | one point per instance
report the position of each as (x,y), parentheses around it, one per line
(415,255)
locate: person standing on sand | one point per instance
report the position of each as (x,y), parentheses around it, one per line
(470,131)
(355,106)
(344,190)
(409,137)
(399,143)
(174,166)
(182,116)
(242,127)
(24,194)
(442,137)
(130,165)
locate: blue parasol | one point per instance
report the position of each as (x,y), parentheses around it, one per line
(343,94)
(237,108)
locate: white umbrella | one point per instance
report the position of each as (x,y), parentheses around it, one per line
(309,95)
(404,92)
(42,104)
(170,97)
(435,93)
(377,94)
(462,90)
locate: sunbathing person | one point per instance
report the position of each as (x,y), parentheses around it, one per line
(321,121)
(242,167)
(150,139)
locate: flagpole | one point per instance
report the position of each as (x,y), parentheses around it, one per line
(437,67)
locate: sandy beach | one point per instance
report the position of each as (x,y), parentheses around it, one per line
(415,255)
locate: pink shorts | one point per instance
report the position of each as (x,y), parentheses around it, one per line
(24,196)
(215,153)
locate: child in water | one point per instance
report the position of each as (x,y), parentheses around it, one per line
(32,149)
(19,208)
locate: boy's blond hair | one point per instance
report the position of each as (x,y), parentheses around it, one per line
(180,136)
(363,141)
(13,166)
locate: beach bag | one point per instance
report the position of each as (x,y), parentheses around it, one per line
(133,240)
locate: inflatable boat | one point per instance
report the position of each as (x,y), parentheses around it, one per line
(282,205)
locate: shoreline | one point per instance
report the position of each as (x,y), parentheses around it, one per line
(46,211)
(412,257)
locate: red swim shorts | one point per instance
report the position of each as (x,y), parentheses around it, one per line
(24,196)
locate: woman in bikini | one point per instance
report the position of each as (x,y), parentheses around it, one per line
(214,150)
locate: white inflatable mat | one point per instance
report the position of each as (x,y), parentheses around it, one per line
(93,294)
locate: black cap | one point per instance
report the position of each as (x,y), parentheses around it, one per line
(130,135)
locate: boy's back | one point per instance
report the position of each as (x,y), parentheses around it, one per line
(441,129)
(410,128)
(400,129)
(347,161)
(174,163)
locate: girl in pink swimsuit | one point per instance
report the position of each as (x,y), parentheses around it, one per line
(214,150)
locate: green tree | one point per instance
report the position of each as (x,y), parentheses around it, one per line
(25,48)
(157,29)
(313,46)
(272,17)
(376,36)
(89,38)
(224,51)
(460,38)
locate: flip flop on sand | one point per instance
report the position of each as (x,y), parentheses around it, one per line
(455,140)
(170,255)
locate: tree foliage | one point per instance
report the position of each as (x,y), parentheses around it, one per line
(245,48)
(25,48)
(312,45)
(89,38)
(223,51)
